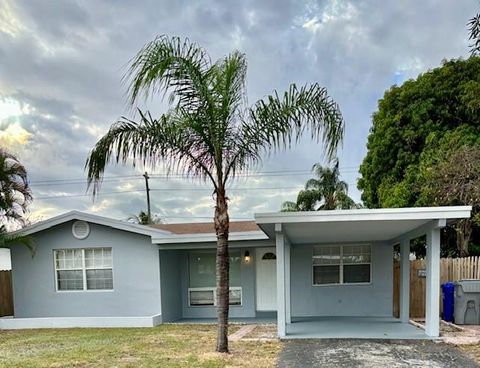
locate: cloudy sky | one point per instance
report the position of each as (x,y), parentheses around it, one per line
(61,64)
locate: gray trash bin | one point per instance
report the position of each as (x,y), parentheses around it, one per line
(467,302)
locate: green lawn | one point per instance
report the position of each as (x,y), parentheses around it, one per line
(165,346)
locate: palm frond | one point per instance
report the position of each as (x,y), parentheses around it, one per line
(15,193)
(10,240)
(473,26)
(279,121)
(169,139)
(170,64)
(307,200)
(289,206)
(282,121)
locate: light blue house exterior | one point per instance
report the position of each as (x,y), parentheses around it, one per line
(300,268)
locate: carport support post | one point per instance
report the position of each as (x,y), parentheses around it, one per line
(288,305)
(432,306)
(405,280)
(281,295)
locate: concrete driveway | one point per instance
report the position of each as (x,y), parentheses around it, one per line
(371,353)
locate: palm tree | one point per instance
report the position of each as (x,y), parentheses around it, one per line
(7,240)
(15,194)
(143,219)
(326,192)
(209,132)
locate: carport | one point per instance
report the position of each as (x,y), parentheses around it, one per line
(334,270)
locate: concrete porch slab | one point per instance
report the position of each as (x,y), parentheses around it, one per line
(352,327)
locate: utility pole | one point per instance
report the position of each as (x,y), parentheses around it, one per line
(147,188)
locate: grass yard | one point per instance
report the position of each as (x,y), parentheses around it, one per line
(162,346)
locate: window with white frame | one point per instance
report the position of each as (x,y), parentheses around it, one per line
(341,264)
(202,279)
(84,269)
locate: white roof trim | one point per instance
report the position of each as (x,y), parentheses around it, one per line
(208,237)
(95,219)
(381,214)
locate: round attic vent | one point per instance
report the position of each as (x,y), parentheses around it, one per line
(80,229)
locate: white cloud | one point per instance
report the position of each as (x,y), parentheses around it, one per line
(9,19)
(62,63)
(13,136)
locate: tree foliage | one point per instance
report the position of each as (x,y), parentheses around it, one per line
(412,128)
(15,193)
(415,129)
(15,196)
(455,180)
(7,240)
(324,192)
(143,219)
(209,132)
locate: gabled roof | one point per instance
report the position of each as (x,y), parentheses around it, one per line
(160,233)
(95,219)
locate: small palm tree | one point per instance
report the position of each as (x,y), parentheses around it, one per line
(15,194)
(7,240)
(209,132)
(143,219)
(326,192)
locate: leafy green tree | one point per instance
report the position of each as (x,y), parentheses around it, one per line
(412,127)
(15,193)
(209,132)
(455,180)
(325,192)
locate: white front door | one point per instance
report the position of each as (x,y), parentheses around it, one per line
(266,273)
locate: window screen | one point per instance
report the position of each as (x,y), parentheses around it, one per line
(202,278)
(347,264)
(84,269)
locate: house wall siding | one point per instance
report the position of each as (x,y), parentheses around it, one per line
(373,300)
(136,276)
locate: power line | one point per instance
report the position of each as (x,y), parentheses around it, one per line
(165,190)
(180,176)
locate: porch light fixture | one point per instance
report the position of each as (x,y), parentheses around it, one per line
(247,256)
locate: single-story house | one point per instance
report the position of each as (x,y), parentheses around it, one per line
(318,274)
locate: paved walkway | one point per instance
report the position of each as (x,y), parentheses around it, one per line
(371,353)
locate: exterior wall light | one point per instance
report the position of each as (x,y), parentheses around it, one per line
(247,256)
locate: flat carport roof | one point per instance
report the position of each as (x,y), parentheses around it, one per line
(386,224)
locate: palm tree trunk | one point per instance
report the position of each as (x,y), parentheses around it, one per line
(221,228)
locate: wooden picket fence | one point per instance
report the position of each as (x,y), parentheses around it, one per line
(6,294)
(451,269)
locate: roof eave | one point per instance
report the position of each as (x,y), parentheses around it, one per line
(210,237)
(95,219)
(385,214)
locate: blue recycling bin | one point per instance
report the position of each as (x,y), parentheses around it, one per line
(448,290)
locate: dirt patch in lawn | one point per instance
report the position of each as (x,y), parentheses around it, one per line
(262,332)
(163,346)
(457,334)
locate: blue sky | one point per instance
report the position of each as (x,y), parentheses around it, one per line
(61,64)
